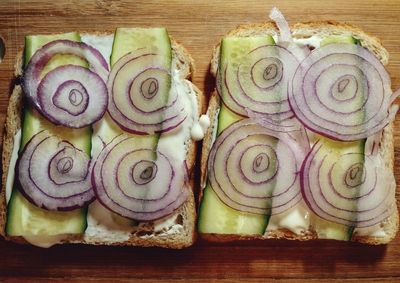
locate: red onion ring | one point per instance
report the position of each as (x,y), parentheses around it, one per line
(283,26)
(373,143)
(53,174)
(130,181)
(259,82)
(70,95)
(246,171)
(342,91)
(139,87)
(344,190)
(290,126)
(286,40)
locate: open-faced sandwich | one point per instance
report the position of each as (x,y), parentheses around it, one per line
(301,139)
(99,144)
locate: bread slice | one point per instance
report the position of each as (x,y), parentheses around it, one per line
(144,234)
(303,31)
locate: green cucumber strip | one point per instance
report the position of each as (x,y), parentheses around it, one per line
(34,122)
(336,39)
(214,215)
(24,218)
(324,228)
(217,217)
(228,118)
(234,51)
(157,40)
(127,40)
(327,229)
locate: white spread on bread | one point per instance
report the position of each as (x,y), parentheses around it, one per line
(167,225)
(103,43)
(295,219)
(200,128)
(13,161)
(105,228)
(313,41)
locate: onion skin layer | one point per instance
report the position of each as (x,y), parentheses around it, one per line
(338,188)
(69,95)
(141,100)
(265,189)
(137,182)
(63,183)
(342,91)
(258,80)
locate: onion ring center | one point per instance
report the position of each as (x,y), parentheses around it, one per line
(345,88)
(144,172)
(261,163)
(149,88)
(64,165)
(72,97)
(267,72)
(75,97)
(355,175)
(258,163)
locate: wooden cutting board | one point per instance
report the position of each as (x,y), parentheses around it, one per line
(198,25)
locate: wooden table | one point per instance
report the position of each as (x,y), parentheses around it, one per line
(198,25)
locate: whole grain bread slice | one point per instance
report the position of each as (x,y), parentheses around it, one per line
(144,234)
(303,30)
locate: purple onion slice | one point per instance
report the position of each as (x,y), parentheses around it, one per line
(285,36)
(69,95)
(258,82)
(53,174)
(349,188)
(141,100)
(255,169)
(138,182)
(72,96)
(342,91)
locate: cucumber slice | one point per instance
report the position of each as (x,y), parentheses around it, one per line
(335,39)
(23,218)
(226,118)
(234,51)
(217,217)
(34,122)
(130,39)
(214,215)
(127,40)
(327,229)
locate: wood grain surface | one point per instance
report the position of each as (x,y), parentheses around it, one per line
(198,25)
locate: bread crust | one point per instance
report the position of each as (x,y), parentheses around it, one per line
(304,30)
(144,236)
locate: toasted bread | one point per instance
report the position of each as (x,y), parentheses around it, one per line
(302,31)
(143,234)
